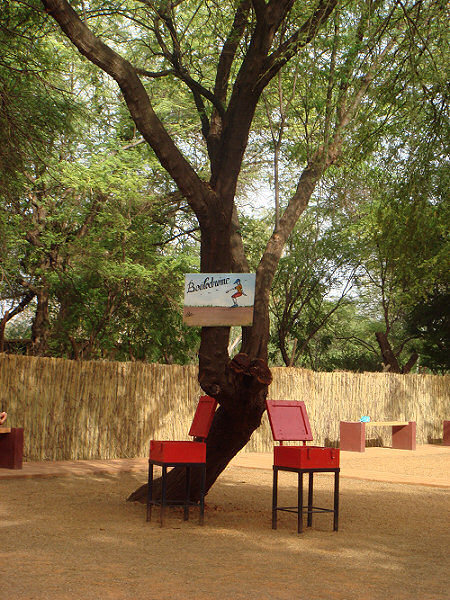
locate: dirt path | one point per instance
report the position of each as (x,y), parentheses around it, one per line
(75,538)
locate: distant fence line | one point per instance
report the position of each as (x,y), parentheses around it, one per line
(74,410)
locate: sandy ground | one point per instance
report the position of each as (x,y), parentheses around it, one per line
(75,537)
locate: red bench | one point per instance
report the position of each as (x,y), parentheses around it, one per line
(353,434)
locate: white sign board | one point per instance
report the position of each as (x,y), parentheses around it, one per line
(219,299)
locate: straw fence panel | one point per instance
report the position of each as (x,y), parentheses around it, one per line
(89,410)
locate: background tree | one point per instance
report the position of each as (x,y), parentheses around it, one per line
(34,111)
(429,322)
(86,246)
(313,281)
(401,223)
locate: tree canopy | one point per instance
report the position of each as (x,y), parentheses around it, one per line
(340,89)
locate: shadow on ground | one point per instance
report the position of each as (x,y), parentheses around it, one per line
(77,538)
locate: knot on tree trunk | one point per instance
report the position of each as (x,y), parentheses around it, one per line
(241,364)
(260,370)
(212,389)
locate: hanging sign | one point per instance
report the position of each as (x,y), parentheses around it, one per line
(219,299)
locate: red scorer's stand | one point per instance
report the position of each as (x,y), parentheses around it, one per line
(11,447)
(182,454)
(289,422)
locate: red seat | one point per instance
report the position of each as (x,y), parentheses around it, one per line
(186,454)
(289,422)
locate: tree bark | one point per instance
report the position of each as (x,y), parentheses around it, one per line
(410,363)
(389,358)
(39,328)
(10,314)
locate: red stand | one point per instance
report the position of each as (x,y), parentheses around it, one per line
(11,448)
(289,422)
(188,455)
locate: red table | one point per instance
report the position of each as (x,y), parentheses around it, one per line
(188,454)
(289,422)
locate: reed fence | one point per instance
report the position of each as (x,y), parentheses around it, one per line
(74,410)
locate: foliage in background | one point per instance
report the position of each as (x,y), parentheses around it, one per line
(87,249)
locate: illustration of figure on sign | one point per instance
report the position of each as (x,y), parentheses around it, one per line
(239,292)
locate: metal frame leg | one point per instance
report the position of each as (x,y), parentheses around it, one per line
(274,497)
(300,497)
(202,494)
(300,503)
(187,493)
(163,494)
(336,501)
(149,492)
(310,498)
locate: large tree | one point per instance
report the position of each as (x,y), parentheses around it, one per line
(351,59)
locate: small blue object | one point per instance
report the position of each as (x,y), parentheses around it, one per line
(365,419)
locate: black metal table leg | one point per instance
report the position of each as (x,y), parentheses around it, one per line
(187,493)
(336,501)
(202,494)
(149,491)
(300,503)
(274,497)
(310,498)
(299,509)
(163,494)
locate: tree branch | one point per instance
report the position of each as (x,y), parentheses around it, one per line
(299,39)
(137,101)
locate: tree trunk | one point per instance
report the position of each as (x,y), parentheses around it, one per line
(390,360)
(10,314)
(411,362)
(39,329)
(2,331)
(240,385)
